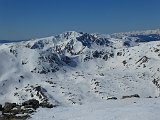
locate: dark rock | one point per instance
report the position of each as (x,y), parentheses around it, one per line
(38,88)
(135,95)
(130,96)
(105,57)
(119,53)
(157,50)
(22,77)
(28,110)
(101,74)
(66,59)
(23,63)
(124,62)
(28,106)
(0,107)
(46,105)
(86,39)
(97,83)
(112,55)
(87,58)
(50,82)
(14,117)
(149,97)
(16,111)
(112,98)
(96,54)
(40,93)
(8,106)
(10,110)
(143,60)
(32,103)
(44,72)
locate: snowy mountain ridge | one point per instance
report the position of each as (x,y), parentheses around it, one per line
(74,68)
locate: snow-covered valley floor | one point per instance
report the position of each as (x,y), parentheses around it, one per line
(127,109)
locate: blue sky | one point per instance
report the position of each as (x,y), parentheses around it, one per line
(25,19)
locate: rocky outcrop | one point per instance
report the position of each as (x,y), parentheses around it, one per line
(11,111)
(112,98)
(131,96)
(8,107)
(32,103)
(46,104)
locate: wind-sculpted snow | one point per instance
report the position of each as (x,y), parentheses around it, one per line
(74,68)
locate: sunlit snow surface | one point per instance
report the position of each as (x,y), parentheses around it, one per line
(129,109)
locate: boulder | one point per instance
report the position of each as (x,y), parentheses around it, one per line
(32,103)
(131,96)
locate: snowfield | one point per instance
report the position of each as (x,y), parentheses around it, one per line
(85,76)
(131,109)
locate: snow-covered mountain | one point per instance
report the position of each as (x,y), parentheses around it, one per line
(74,68)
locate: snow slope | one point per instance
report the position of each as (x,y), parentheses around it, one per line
(134,109)
(76,68)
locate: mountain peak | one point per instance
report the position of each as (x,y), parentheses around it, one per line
(68,35)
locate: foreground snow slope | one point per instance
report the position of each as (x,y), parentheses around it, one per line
(75,68)
(130,109)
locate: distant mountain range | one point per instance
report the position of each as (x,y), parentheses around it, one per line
(10,41)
